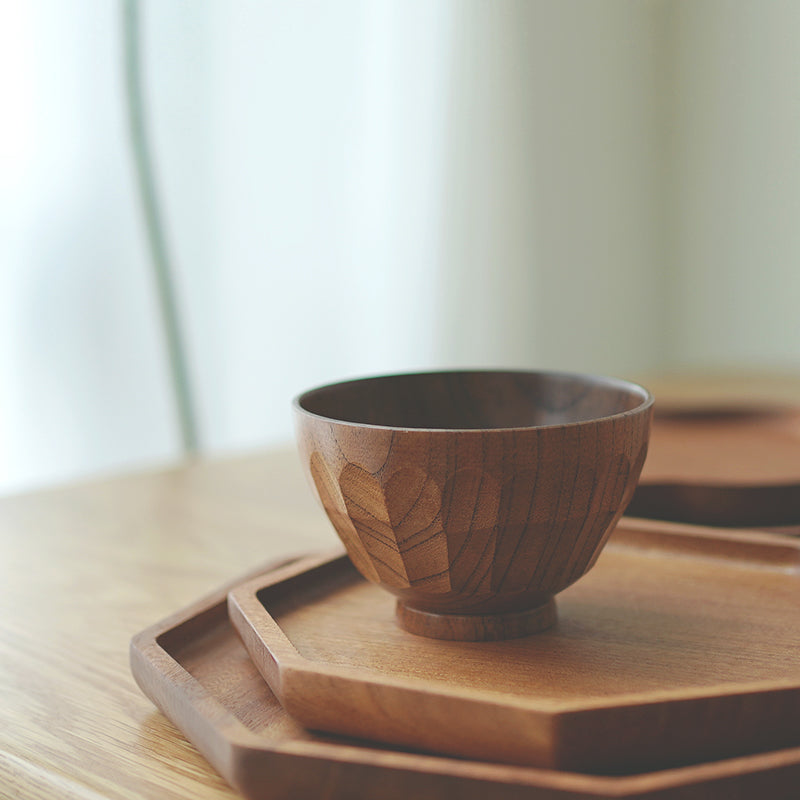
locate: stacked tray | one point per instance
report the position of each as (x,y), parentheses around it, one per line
(673,671)
(727,459)
(675,666)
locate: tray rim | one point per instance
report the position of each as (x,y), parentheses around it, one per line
(289,673)
(219,735)
(246,616)
(682,415)
(666,492)
(288,662)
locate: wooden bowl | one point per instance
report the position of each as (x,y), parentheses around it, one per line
(474,497)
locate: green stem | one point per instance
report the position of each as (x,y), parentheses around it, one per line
(156,239)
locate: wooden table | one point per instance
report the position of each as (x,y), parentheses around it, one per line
(84,568)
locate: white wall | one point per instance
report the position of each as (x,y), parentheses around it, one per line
(604,185)
(550,189)
(735,256)
(316,196)
(82,376)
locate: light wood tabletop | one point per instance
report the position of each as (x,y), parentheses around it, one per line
(83,569)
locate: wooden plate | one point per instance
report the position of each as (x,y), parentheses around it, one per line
(724,452)
(678,646)
(193,666)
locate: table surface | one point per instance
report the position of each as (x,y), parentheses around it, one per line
(83,569)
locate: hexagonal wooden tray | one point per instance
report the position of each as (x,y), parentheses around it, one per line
(681,645)
(193,666)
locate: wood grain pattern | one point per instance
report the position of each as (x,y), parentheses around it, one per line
(674,649)
(195,668)
(474,493)
(83,568)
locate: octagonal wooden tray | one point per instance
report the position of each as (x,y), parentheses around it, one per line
(678,646)
(193,666)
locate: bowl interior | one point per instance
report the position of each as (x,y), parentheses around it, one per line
(474,400)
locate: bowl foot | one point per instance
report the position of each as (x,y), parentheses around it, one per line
(477,627)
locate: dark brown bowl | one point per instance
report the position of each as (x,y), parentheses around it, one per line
(477,496)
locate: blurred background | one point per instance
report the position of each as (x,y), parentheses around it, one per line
(333,189)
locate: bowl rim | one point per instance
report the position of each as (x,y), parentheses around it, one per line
(604,380)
